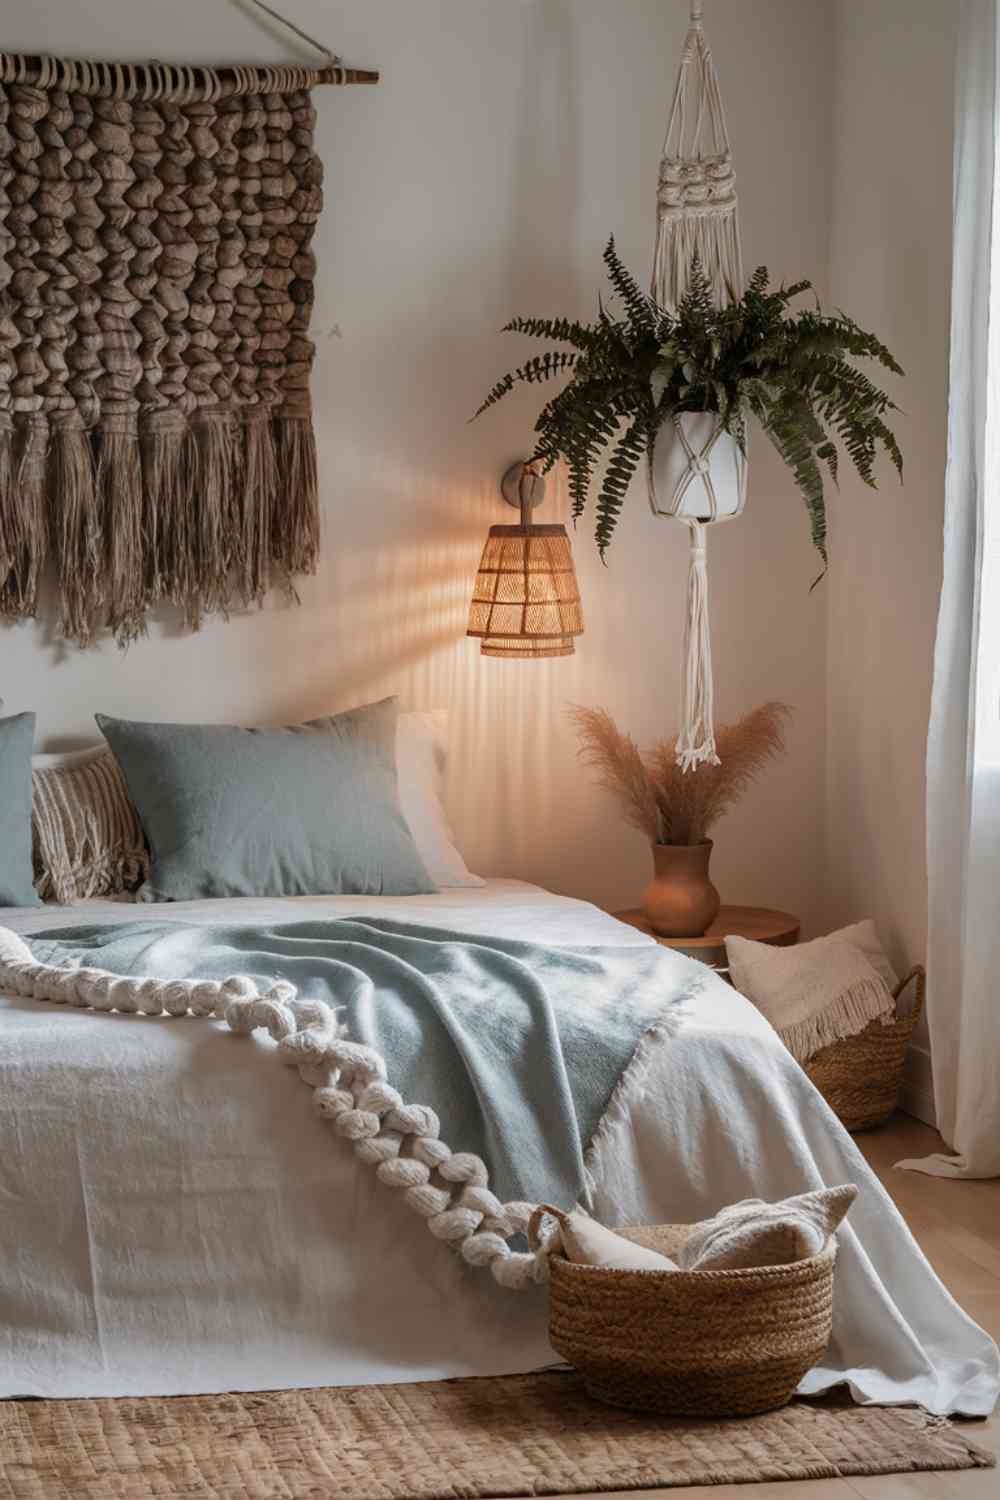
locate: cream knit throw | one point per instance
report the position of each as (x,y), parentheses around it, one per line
(755,1233)
(818,992)
(589,1243)
(399,1141)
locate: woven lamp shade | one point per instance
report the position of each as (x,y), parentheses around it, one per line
(526,600)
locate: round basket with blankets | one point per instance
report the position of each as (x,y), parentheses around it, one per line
(720,1319)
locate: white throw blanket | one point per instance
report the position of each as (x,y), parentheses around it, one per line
(176,1218)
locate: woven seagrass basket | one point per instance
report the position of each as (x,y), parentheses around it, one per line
(860,1076)
(690,1343)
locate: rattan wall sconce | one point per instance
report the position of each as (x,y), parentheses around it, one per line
(526,600)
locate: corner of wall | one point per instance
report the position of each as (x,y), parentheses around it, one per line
(890,253)
(890,268)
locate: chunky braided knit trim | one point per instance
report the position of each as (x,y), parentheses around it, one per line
(448,1189)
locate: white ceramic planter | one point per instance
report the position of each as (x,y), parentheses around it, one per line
(696,470)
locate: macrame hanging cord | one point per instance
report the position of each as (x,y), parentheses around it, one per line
(697,218)
(696,738)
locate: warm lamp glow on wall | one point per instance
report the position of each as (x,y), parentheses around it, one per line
(526,600)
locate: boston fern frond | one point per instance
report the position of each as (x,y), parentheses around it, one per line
(562,330)
(637,366)
(791,430)
(591,432)
(542,367)
(697,309)
(628,454)
(642,310)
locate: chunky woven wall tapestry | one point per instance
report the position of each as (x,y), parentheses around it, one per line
(156,285)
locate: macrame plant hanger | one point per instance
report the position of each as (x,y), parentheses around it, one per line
(697,216)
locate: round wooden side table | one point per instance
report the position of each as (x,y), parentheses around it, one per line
(779,928)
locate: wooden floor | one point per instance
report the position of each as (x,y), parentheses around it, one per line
(958,1226)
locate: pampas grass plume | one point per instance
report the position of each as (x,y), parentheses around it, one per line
(667,804)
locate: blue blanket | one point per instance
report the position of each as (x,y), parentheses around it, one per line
(517,1047)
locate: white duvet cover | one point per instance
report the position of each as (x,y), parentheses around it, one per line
(174,1218)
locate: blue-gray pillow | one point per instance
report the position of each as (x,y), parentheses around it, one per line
(17,738)
(309,810)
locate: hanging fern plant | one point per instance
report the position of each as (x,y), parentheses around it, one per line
(630,373)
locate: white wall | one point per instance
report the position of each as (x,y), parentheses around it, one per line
(481,178)
(890,267)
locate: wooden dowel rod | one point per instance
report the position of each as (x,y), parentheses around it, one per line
(354,75)
(333,73)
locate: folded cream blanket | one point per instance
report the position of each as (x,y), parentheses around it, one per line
(754,1233)
(589,1243)
(747,1234)
(818,992)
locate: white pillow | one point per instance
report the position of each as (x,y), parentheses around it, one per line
(421,757)
(818,992)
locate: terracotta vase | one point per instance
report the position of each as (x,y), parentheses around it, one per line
(681,901)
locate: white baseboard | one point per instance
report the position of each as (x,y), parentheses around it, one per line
(917,1094)
(919,1103)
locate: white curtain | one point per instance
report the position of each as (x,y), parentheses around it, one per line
(963,752)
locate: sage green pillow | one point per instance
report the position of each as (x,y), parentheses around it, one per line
(309,810)
(17,738)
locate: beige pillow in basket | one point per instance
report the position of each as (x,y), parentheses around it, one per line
(818,992)
(86,835)
(754,1233)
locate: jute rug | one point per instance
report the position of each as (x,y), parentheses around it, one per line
(519,1435)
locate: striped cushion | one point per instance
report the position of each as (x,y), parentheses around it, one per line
(87,839)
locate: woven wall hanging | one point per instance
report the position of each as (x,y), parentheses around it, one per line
(156,285)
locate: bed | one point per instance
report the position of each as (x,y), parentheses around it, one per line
(174,1218)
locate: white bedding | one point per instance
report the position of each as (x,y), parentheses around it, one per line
(174,1218)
